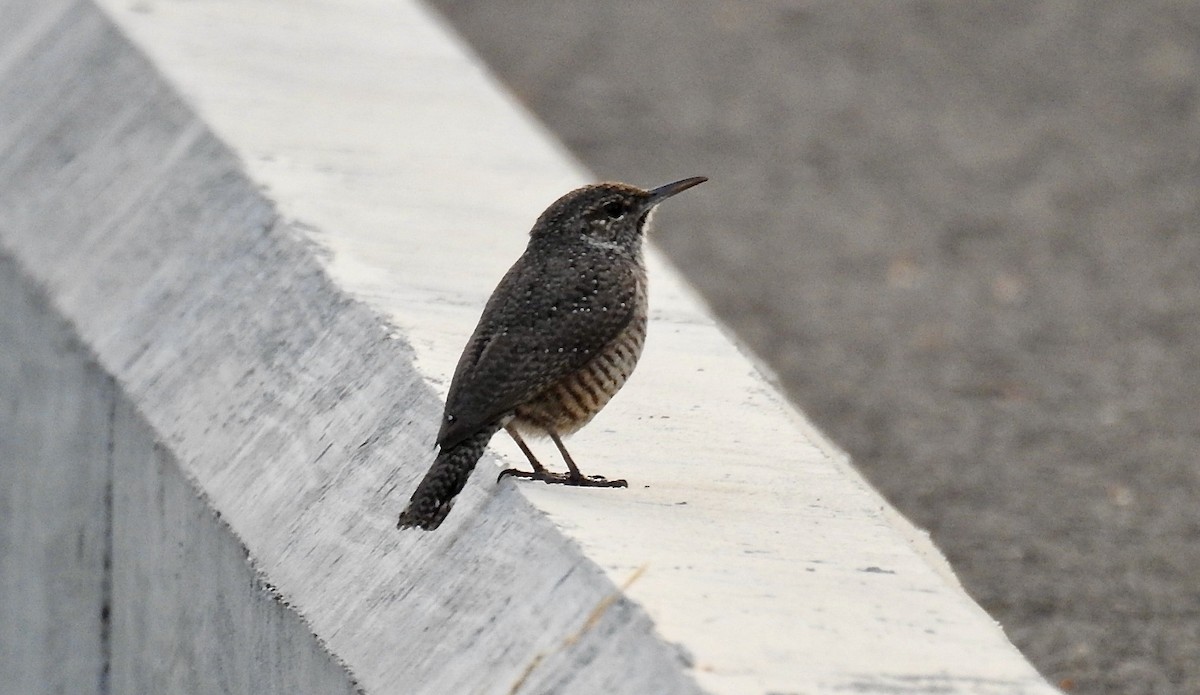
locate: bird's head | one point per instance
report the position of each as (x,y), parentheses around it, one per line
(607,213)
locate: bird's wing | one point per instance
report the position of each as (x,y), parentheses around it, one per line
(534,332)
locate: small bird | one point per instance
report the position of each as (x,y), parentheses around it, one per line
(558,338)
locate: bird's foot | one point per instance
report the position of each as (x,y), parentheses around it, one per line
(552,478)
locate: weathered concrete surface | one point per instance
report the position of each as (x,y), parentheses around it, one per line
(964,234)
(277,355)
(117,575)
(281,401)
(55,414)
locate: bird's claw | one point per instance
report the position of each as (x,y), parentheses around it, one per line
(595,481)
(515,472)
(551,478)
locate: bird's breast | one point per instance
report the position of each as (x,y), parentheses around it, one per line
(575,399)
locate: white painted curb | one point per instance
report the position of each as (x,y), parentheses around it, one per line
(288,347)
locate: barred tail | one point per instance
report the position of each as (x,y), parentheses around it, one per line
(434,497)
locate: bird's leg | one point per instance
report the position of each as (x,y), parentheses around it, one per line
(538,468)
(577,478)
(540,472)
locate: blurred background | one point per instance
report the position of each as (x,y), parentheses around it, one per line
(965,235)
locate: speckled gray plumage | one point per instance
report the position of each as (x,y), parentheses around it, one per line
(558,337)
(556,308)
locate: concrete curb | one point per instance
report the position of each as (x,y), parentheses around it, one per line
(268,282)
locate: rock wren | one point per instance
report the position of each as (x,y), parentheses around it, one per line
(558,338)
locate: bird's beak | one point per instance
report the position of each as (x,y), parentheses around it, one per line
(661,193)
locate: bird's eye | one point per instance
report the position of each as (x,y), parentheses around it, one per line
(615,210)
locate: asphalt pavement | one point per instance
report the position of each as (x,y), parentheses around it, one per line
(966,237)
